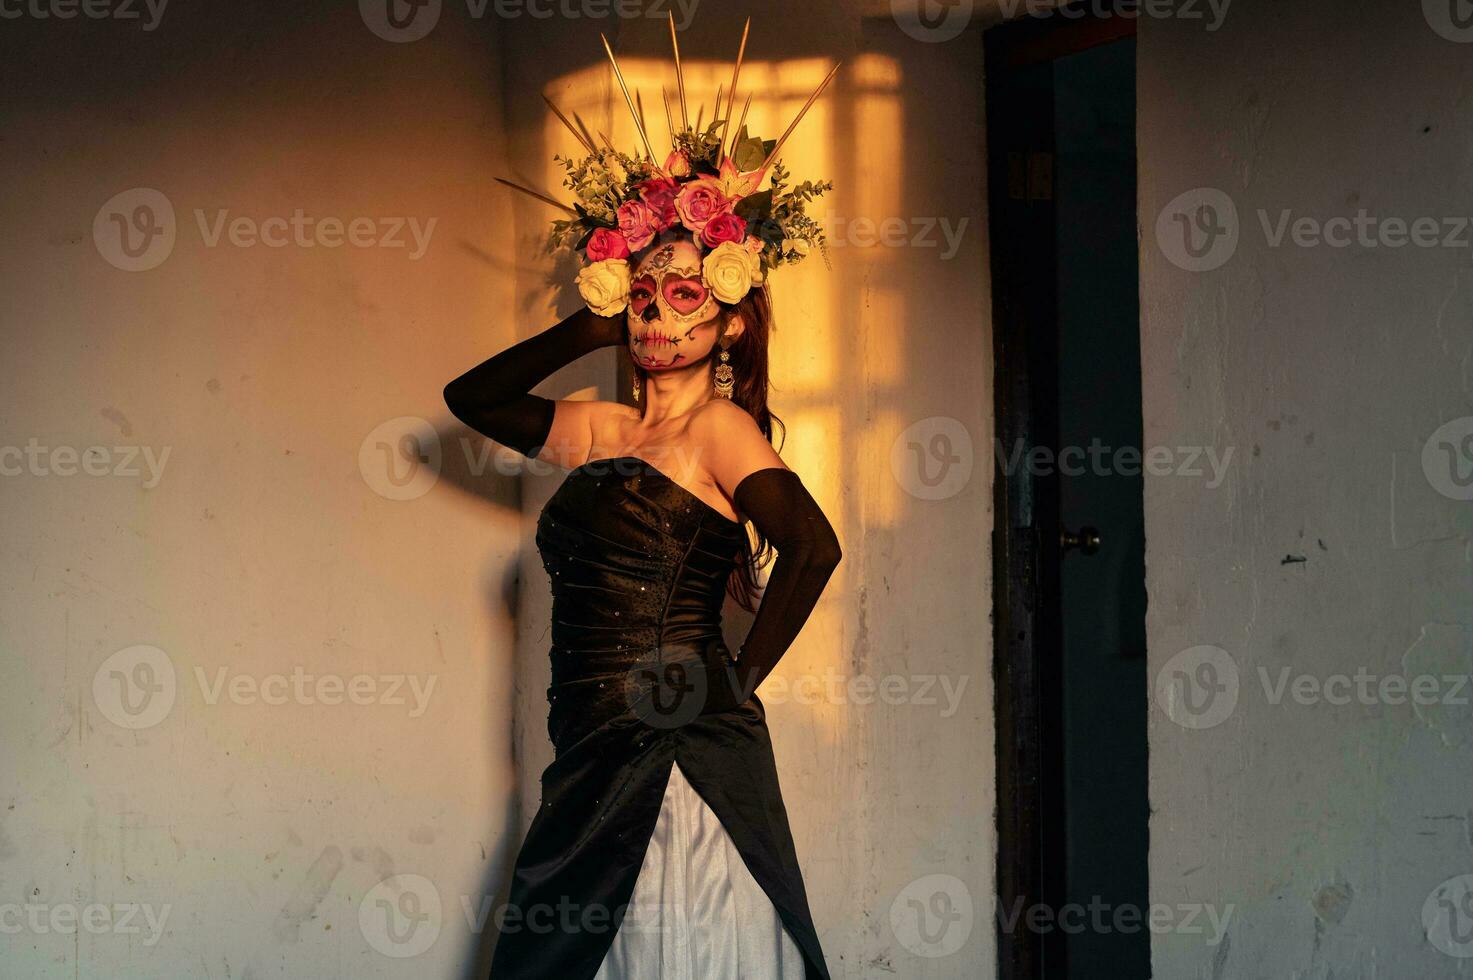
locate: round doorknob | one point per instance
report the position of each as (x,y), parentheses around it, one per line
(1086,539)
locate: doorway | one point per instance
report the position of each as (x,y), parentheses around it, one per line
(1069,562)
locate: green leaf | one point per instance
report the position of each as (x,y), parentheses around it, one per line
(749,153)
(754,206)
(589,219)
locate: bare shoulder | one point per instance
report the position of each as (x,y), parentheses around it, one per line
(579,428)
(720,416)
(608,421)
(732,445)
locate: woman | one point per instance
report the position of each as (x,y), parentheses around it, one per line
(663,795)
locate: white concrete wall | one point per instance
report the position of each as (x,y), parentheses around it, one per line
(256,831)
(261,833)
(1326,830)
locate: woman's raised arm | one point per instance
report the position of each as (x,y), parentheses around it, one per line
(495,398)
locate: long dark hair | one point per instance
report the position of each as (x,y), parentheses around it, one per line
(749,375)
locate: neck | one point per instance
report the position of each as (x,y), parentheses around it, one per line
(671,393)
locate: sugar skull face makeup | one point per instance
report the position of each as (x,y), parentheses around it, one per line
(672,316)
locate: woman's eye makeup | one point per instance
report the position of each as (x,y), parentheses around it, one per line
(686,294)
(641,294)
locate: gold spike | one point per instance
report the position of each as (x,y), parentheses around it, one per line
(799,118)
(679,75)
(736,73)
(643,123)
(576,135)
(669,122)
(740,123)
(583,128)
(628,100)
(531,193)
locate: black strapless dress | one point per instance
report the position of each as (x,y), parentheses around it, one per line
(639,568)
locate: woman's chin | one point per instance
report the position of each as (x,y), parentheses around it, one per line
(654,364)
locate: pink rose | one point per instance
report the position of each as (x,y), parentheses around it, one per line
(606,244)
(724,228)
(677,164)
(659,194)
(638,222)
(699,201)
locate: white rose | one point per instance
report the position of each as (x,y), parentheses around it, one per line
(730,270)
(798,246)
(604,286)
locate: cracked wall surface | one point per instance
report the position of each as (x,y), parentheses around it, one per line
(1316,610)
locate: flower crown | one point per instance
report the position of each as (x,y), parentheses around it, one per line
(705,188)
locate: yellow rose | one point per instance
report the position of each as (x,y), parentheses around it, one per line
(730,270)
(604,286)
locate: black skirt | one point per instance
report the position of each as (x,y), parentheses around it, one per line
(638,567)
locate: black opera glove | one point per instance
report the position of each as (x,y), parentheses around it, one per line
(494,396)
(782,509)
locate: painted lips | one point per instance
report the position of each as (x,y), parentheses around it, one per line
(648,346)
